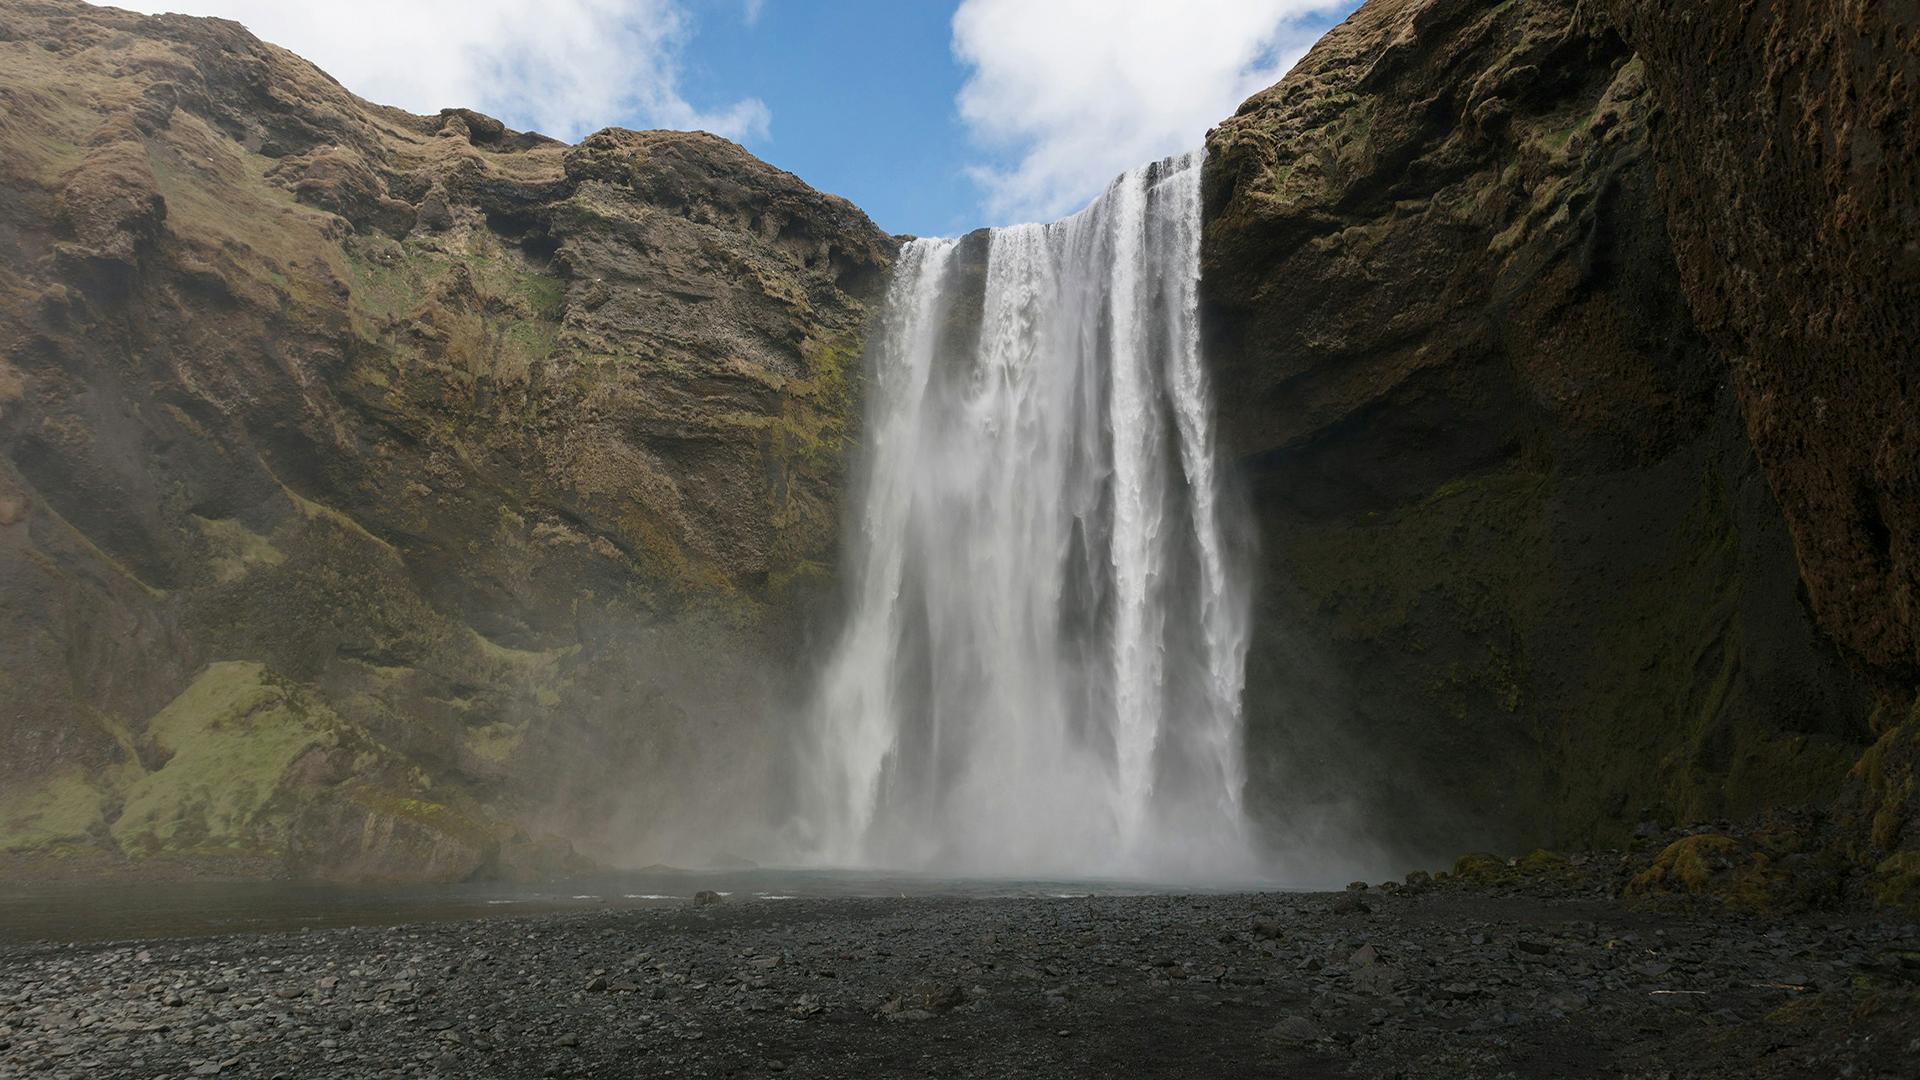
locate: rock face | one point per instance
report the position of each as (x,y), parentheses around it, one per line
(1526,576)
(386,496)
(427,476)
(1790,166)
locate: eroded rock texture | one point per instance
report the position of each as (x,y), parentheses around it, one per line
(1790,165)
(454,476)
(1789,154)
(1523,573)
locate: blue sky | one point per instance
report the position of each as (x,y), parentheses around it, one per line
(934,116)
(861,95)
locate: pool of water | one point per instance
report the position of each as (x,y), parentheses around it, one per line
(95,911)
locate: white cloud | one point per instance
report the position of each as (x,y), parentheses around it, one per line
(751,9)
(561,67)
(1076,92)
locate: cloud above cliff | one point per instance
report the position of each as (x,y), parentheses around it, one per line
(562,67)
(1068,94)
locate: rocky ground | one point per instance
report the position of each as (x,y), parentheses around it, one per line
(1437,981)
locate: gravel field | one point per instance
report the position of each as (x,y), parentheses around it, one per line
(1445,982)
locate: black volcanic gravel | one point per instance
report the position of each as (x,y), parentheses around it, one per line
(1450,982)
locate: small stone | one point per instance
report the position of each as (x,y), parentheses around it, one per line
(707,898)
(1364,955)
(1297,1030)
(1349,904)
(941,998)
(568,1039)
(596,984)
(1377,979)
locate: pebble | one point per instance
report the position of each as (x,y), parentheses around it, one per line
(1438,981)
(1297,1029)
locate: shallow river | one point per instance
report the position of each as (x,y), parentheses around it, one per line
(92,911)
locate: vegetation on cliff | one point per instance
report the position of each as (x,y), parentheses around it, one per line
(382,493)
(465,469)
(1526,577)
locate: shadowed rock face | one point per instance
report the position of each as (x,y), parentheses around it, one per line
(1790,166)
(486,472)
(1524,576)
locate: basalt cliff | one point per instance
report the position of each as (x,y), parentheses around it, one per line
(399,496)
(1568,350)
(385,495)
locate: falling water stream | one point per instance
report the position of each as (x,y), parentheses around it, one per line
(1041,666)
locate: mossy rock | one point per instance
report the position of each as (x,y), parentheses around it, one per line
(1538,868)
(223,749)
(1896,882)
(1482,868)
(1880,810)
(1541,862)
(1887,778)
(62,813)
(1689,865)
(1727,873)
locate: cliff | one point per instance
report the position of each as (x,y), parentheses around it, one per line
(1790,167)
(380,493)
(387,496)
(1568,354)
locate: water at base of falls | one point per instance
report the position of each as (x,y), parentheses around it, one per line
(1041,666)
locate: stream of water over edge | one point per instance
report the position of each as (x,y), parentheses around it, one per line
(1043,659)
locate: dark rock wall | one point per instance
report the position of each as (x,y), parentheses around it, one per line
(1789,153)
(1789,150)
(488,473)
(1524,581)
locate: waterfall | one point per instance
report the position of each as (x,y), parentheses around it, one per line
(1041,665)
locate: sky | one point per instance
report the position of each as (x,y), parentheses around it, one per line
(934,116)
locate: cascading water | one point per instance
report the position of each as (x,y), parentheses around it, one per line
(1041,667)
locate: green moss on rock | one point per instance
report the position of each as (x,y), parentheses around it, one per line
(1896,882)
(60,812)
(1771,871)
(1480,868)
(224,748)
